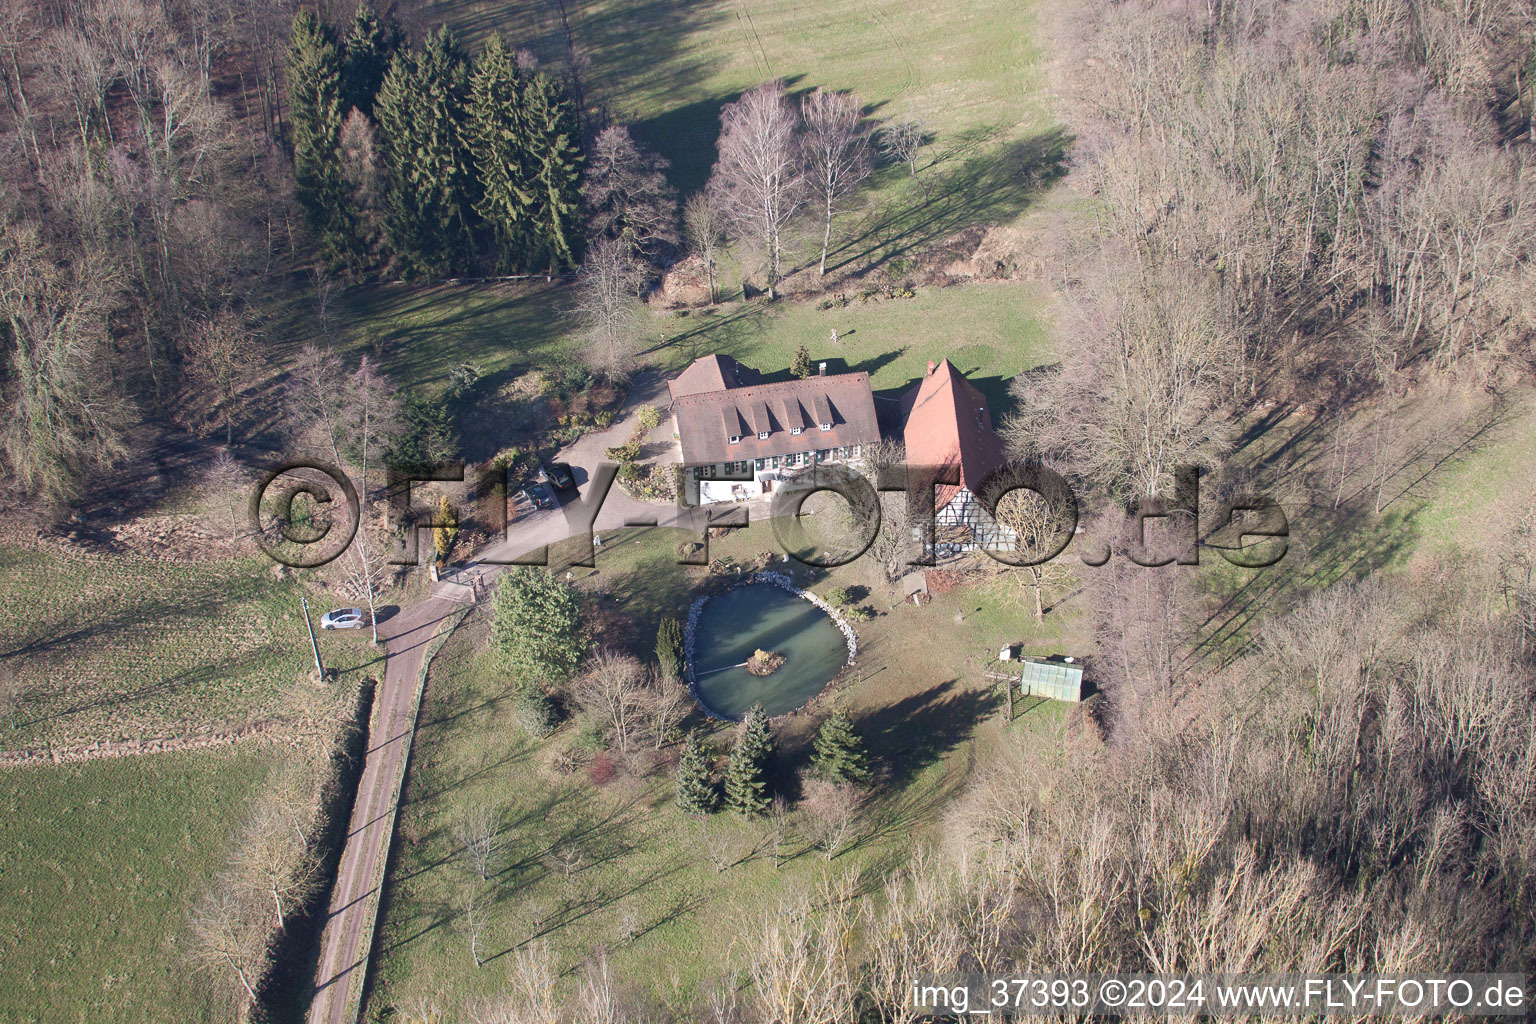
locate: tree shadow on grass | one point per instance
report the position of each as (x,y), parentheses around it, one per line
(575,910)
(919,730)
(467,777)
(989,187)
(1333,545)
(706,333)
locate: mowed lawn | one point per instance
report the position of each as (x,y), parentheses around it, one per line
(113,647)
(615,866)
(100,865)
(991,332)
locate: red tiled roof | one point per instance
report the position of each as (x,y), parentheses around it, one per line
(707,420)
(712,373)
(948,423)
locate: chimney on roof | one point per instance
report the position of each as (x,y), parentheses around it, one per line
(821,368)
(932,366)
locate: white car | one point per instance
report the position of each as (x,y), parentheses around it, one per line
(343,618)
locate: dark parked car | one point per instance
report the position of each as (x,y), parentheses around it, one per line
(558,474)
(539,495)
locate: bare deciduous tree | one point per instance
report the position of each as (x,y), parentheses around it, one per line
(779,813)
(704,232)
(474,909)
(836,150)
(831,812)
(224,357)
(667,704)
(224,480)
(10,692)
(314,396)
(370,408)
(720,846)
(1033,521)
(608,309)
(904,141)
(800,961)
(66,419)
(567,858)
(613,688)
(626,191)
(478,832)
(1145,399)
(361,168)
(759,179)
(227,934)
(272,859)
(535,970)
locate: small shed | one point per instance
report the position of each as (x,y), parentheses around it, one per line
(1057,679)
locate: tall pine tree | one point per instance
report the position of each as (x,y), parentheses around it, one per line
(554,138)
(428,213)
(316,112)
(746,772)
(500,144)
(369,47)
(839,754)
(696,794)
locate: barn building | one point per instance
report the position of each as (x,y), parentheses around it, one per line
(946,423)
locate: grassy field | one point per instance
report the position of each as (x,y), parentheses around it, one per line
(1481,492)
(99,866)
(111,647)
(645,886)
(992,332)
(418,334)
(668,66)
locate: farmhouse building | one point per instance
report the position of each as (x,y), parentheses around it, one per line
(946,423)
(741,437)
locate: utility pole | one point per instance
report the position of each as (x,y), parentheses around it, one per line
(313,644)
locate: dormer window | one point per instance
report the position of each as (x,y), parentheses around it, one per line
(735,439)
(826,426)
(763,436)
(795,430)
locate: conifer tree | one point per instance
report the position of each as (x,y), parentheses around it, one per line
(696,794)
(669,646)
(444,534)
(801,365)
(369,46)
(314,100)
(556,162)
(427,208)
(746,773)
(394,108)
(500,145)
(839,753)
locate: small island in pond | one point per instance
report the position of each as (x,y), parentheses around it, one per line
(763,663)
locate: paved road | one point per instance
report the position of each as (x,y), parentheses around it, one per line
(355,895)
(354,899)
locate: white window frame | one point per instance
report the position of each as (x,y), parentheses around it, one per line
(762,435)
(734,439)
(826,426)
(795,430)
